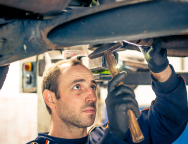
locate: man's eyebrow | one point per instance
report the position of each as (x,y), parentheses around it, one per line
(82,80)
(78,80)
(93,81)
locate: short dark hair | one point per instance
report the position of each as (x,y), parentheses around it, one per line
(50,77)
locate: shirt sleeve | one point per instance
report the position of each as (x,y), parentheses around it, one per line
(100,134)
(167,116)
(109,138)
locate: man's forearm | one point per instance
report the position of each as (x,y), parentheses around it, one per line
(162,76)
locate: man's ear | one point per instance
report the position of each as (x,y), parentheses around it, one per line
(49,98)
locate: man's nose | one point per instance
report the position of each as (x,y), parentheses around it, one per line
(90,95)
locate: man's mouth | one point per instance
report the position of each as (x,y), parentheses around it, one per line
(90,110)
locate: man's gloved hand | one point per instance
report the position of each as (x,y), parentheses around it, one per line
(118,101)
(156,56)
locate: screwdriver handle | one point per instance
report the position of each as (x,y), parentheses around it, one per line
(135,130)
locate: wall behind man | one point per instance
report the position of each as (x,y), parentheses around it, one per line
(18,118)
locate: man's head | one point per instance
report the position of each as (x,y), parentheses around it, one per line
(69,90)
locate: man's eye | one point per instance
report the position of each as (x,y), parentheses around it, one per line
(93,87)
(76,87)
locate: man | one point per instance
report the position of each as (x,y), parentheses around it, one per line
(69,91)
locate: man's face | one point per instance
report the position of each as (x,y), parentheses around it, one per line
(77,90)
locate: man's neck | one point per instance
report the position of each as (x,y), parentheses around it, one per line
(61,129)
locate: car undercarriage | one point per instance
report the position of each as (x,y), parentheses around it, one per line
(27,31)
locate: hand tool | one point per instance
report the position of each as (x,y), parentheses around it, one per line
(107,51)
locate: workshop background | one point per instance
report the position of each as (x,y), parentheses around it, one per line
(18,118)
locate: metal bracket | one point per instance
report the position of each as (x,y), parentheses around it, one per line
(97,63)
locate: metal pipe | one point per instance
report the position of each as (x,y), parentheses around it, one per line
(176,45)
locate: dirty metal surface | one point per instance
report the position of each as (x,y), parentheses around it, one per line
(38,6)
(20,39)
(130,20)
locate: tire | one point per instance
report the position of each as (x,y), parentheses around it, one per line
(3,74)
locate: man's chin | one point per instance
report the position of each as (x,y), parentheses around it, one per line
(89,120)
(86,124)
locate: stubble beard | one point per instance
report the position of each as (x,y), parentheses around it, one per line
(70,118)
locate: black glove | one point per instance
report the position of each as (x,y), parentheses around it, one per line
(118,101)
(156,56)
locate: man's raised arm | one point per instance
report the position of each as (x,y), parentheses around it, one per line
(167,116)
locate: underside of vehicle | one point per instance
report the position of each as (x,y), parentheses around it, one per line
(30,28)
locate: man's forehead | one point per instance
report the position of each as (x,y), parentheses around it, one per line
(75,72)
(65,67)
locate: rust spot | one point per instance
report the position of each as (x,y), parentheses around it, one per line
(145,31)
(47,41)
